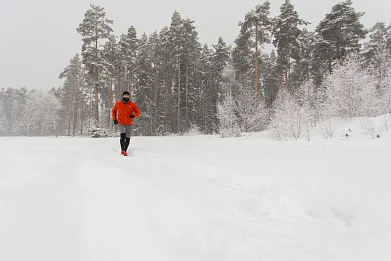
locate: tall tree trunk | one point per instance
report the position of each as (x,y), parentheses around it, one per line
(130,82)
(96,85)
(82,119)
(289,69)
(256,62)
(74,88)
(110,99)
(69,119)
(96,98)
(203,98)
(71,106)
(155,99)
(179,95)
(74,122)
(286,76)
(167,96)
(187,95)
(119,83)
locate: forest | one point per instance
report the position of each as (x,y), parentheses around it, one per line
(277,75)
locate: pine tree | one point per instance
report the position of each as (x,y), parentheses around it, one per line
(302,68)
(111,56)
(191,51)
(177,42)
(13,101)
(377,53)
(169,64)
(204,115)
(340,33)
(258,25)
(95,30)
(287,33)
(272,79)
(39,116)
(73,75)
(389,37)
(157,58)
(144,89)
(378,35)
(128,45)
(3,120)
(218,58)
(243,56)
(321,62)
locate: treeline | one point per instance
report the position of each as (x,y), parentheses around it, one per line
(182,85)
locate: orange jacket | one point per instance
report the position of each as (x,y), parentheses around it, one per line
(124,112)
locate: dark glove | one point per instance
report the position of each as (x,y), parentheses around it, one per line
(131,116)
(115,122)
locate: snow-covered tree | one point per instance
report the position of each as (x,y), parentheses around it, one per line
(308,99)
(176,42)
(286,33)
(271,79)
(378,42)
(49,113)
(385,82)
(2,116)
(292,118)
(39,116)
(228,80)
(73,76)
(217,59)
(351,90)
(95,31)
(284,123)
(144,87)
(13,103)
(206,117)
(377,53)
(251,111)
(338,35)
(128,45)
(301,69)
(228,120)
(257,26)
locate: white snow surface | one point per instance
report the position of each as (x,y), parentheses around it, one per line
(197,198)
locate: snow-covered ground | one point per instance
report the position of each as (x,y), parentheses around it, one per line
(198,198)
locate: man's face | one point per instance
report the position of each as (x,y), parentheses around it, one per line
(126,96)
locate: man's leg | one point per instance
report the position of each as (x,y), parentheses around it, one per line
(128,136)
(122,140)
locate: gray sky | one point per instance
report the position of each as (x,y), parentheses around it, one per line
(38,37)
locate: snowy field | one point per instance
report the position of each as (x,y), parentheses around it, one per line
(198,198)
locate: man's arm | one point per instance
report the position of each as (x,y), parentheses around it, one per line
(136,111)
(114,112)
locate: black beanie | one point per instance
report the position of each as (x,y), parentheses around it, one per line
(125,92)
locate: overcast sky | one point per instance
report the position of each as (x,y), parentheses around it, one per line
(38,37)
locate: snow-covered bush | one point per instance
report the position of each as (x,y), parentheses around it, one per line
(252,112)
(98,132)
(351,90)
(228,120)
(193,131)
(286,121)
(295,116)
(370,128)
